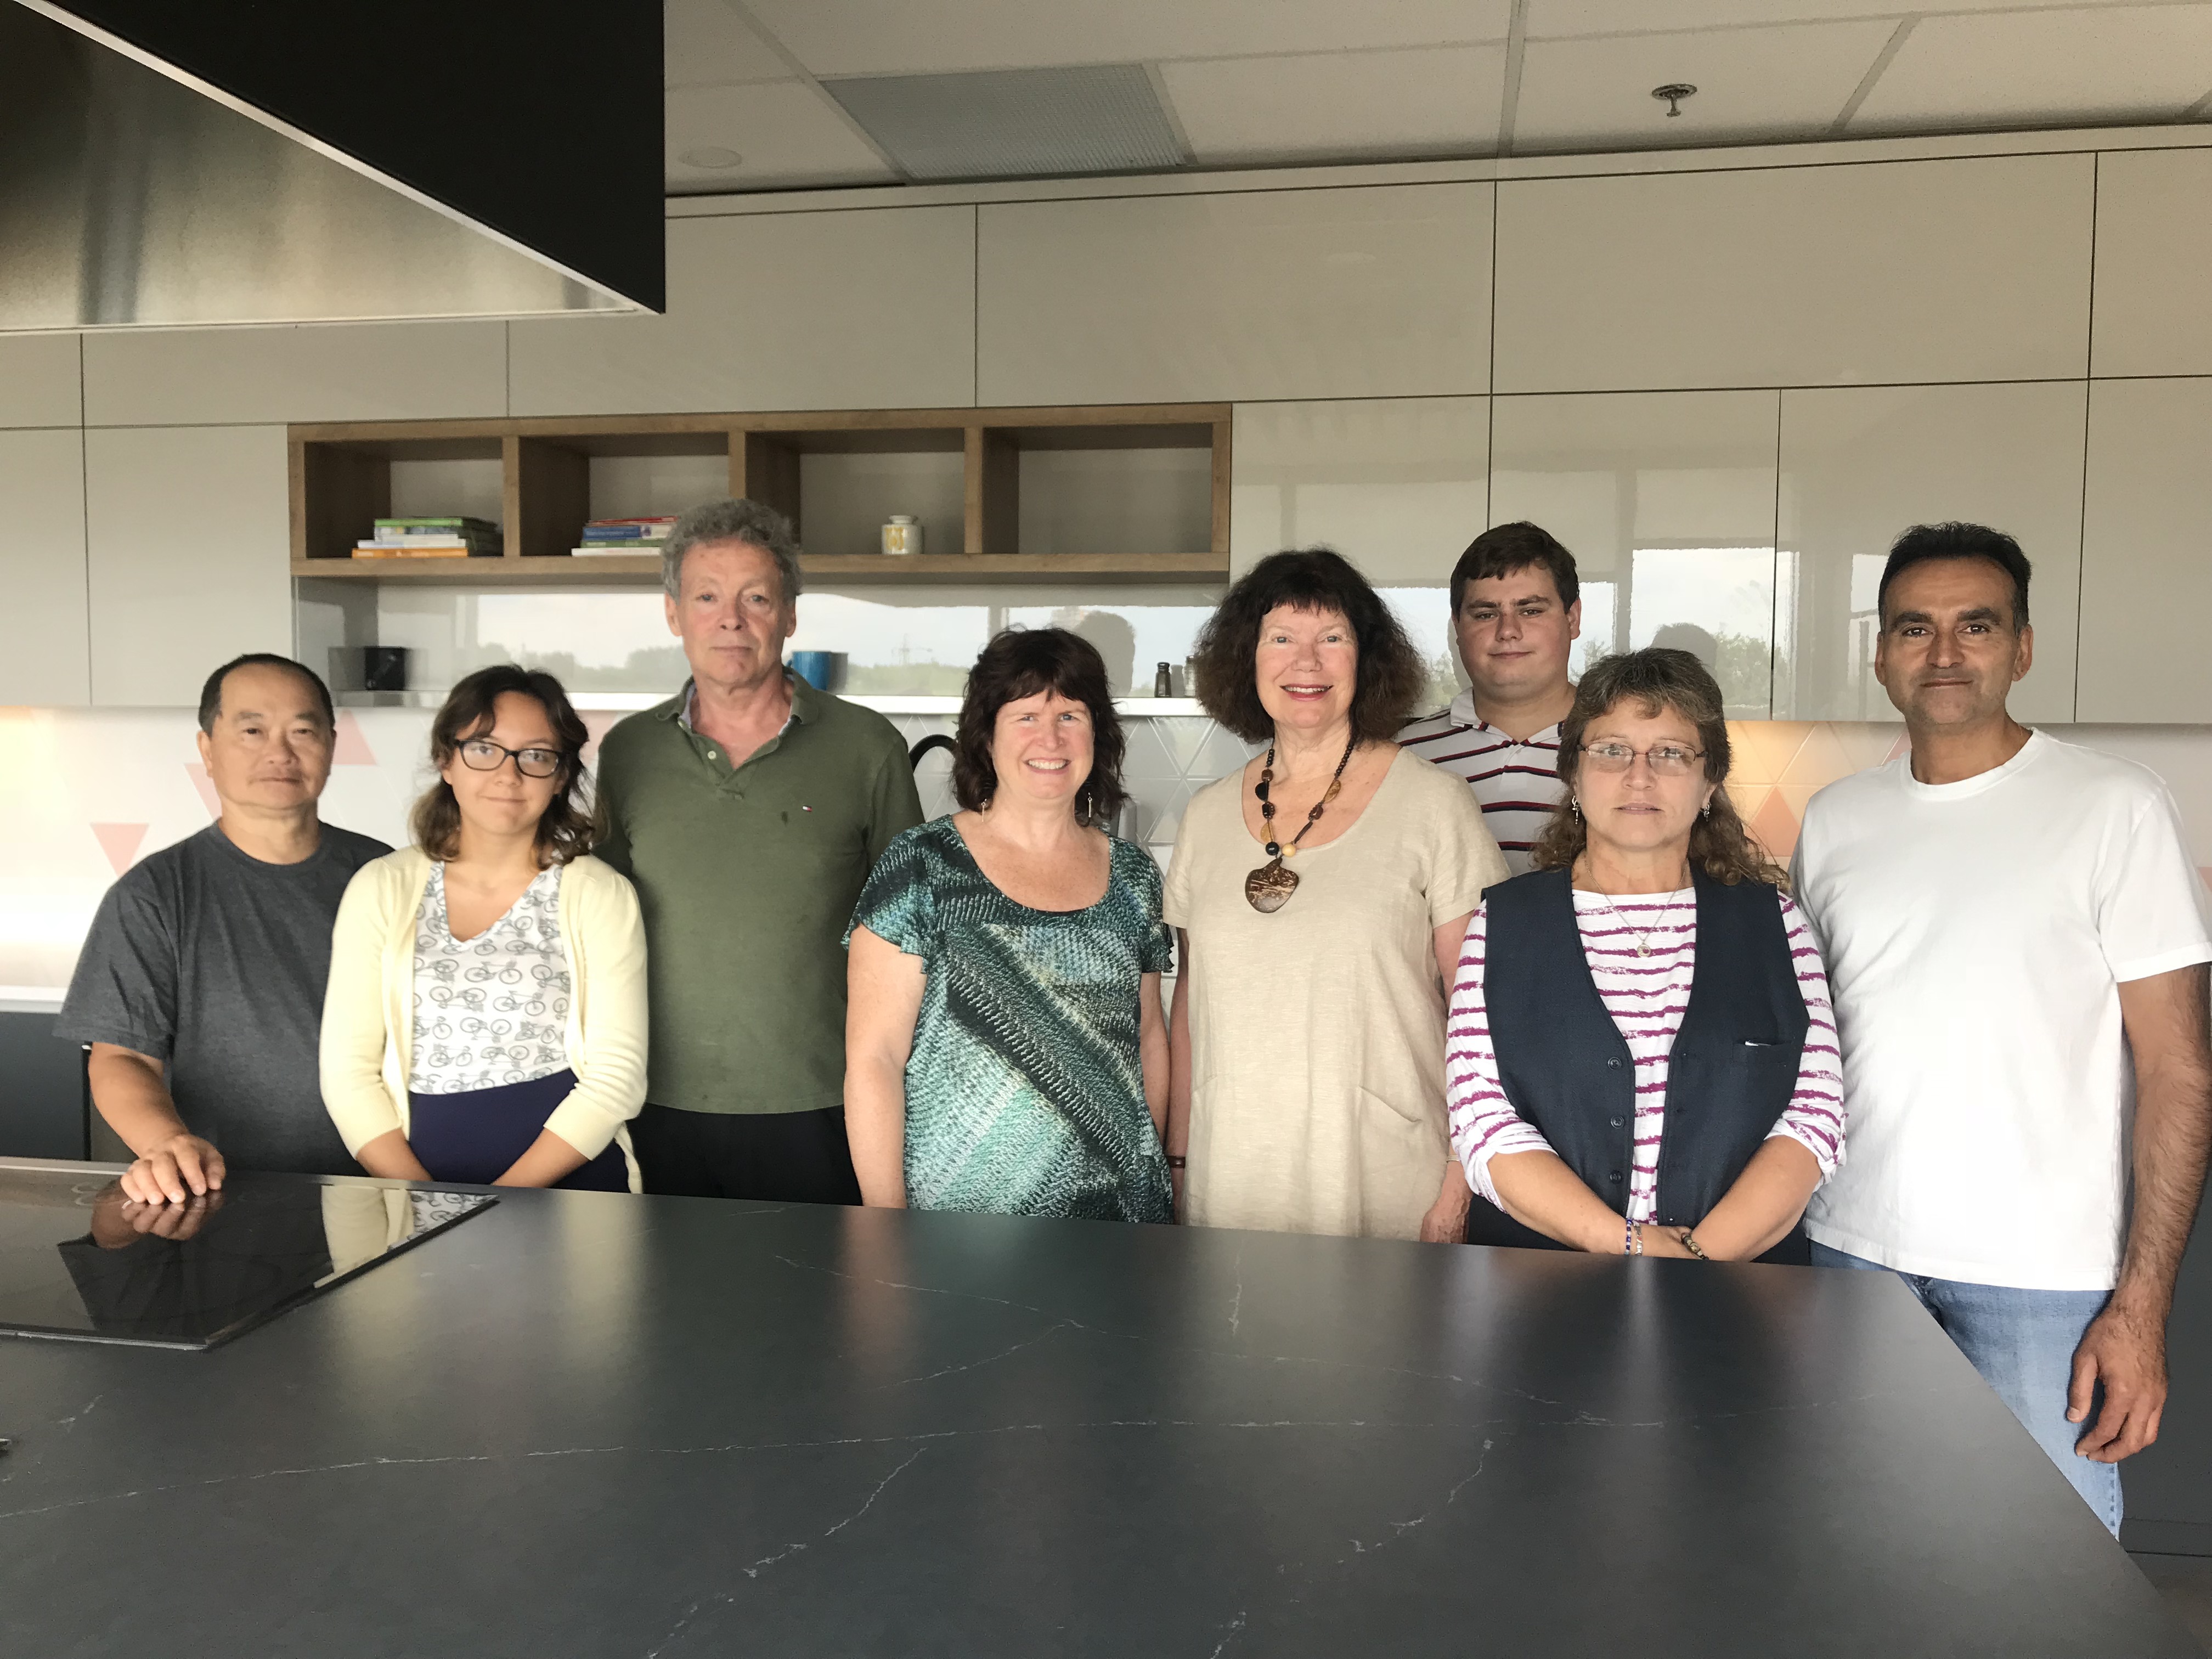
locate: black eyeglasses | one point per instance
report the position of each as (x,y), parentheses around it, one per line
(482,755)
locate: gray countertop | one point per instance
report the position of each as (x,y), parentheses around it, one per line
(591,1424)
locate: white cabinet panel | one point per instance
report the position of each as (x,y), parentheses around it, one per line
(44,656)
(1400,487)
(1378,292)
(319,372)
(2154,309)
(1972,270)
(188,543)
(38,383)
(858,310)
(1859,465)
(1666,499)
(2147,553)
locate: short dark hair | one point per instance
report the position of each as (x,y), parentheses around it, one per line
(564,830)
(1954,540)
(211,692)
(1391,674)
(1505,548)
(1020,662)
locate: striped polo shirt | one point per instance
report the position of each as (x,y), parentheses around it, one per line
(1517,782)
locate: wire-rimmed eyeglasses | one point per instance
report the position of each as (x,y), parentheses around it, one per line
(1667,760)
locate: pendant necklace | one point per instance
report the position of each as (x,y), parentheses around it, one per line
(1642,940)
(1268,888)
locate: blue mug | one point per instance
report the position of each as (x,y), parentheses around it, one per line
(814,667)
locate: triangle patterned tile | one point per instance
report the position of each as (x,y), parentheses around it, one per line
(1222,753)
(1821,758)
(1766,748)
(1775,826)
(1182,735)
(1143,754)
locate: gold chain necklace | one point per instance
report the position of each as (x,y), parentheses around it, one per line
(1643,939)
(1268,888)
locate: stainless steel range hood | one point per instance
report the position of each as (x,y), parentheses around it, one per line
(134,193)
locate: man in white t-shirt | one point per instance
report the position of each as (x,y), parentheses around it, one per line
(1517,612)
(2012,928)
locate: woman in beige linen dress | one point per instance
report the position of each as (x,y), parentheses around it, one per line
(1306,1086)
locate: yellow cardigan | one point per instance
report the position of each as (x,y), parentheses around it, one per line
(368,1012)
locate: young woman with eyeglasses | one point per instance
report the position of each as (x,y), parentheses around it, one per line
(486,1017)
(1642,1060)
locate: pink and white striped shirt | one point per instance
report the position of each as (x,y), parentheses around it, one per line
(1647,996)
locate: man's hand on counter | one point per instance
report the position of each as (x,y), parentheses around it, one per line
(173,1170)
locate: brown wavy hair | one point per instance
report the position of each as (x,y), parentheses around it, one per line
(1391,674)
(1020,662)
(564,830)
(1656,678)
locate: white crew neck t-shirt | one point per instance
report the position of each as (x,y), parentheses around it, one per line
(1976,935)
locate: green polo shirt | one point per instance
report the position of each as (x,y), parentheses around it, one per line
(747,876)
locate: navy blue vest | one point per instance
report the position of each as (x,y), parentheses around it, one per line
(1567,1070)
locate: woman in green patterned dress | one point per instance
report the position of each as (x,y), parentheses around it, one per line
(1005,1047)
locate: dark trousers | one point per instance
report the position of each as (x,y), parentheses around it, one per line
(786,1158)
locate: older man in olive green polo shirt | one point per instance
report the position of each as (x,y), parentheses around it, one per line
(748,808)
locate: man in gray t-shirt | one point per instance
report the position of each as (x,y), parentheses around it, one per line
(200,987)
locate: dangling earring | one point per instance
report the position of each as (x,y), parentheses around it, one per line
(1706,810)
(1575,807)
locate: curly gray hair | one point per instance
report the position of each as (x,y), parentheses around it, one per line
(733,519)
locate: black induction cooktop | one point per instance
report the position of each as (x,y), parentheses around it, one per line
(80,1262)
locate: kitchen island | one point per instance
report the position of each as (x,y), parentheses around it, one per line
(597,1423)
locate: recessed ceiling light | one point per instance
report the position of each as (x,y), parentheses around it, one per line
(1674,92)
(711,156)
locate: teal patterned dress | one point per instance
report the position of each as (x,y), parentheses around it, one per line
(1024,1091)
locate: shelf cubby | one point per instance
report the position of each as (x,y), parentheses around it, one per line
(1118,494)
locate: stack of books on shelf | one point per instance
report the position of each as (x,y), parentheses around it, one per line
(625,535)
(431,538)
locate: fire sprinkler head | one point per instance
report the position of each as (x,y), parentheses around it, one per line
(1674,92)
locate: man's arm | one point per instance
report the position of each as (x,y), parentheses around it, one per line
(2125,1348)
(128,1091)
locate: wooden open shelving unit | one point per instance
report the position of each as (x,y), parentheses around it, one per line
(341,483)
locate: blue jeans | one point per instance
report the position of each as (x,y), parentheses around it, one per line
(2022,1342)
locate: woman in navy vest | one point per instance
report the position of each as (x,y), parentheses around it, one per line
(1641,1057)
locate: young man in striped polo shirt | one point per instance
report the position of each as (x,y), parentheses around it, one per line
(1517,612)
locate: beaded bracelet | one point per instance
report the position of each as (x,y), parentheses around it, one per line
(1690,1244)
(1633,1243)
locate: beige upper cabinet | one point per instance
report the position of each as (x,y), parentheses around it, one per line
(44,657)
(2147,553)
(1861,464)
(1666,499)
(189,551)
(1857,274)
(1398,486)
(1371,293)
(2153,310)
(39,380)
(773,311)
(318,371)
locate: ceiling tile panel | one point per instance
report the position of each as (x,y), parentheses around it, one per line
(1366,105)
(1752,85)
(920,37)
(1552,18)
(705,44)
(786,134)
(2029,68)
